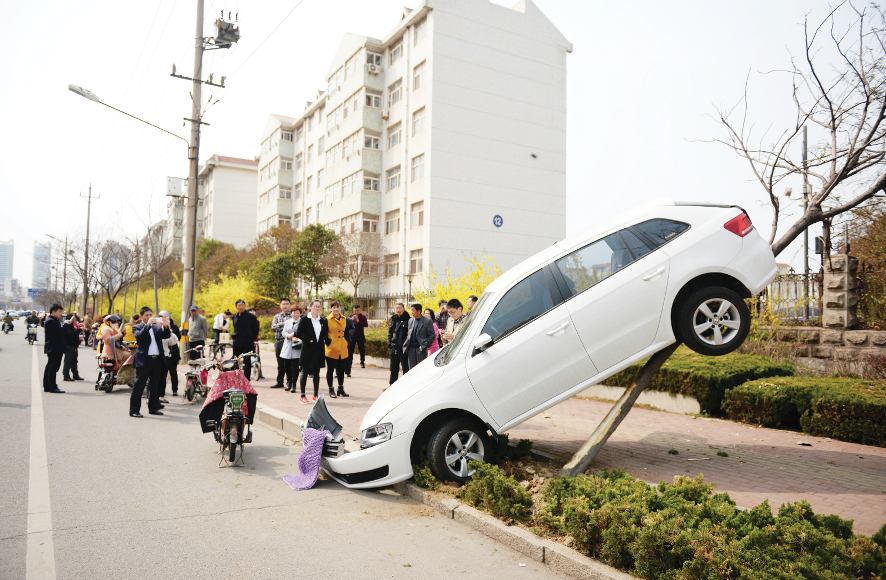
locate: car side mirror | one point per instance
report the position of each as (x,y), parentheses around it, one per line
(481,343)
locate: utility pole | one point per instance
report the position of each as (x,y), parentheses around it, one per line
(89,199)
(227,34)
(805,230)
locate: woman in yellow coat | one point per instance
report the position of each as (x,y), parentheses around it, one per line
(340,329)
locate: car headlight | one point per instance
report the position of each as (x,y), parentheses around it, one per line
(375,435)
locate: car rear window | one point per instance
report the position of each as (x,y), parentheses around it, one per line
(660,231)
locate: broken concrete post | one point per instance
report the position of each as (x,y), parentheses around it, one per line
(840,292)
(584,456)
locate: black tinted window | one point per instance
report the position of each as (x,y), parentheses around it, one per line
(526,301)
(597,261)
(662,231)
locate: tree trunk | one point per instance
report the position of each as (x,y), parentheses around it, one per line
(584,456)
(156,296)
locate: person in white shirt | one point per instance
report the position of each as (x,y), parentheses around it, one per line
(290,352)
(220,325)
(149,364)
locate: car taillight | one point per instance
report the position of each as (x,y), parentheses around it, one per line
(740,225)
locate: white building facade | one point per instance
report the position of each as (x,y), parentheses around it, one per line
(41,273)
(7,255)
(446,141)
(227,189)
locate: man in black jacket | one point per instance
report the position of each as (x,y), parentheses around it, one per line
(71,333)
(54,348)
(245,334)
(397,329)
(149,335)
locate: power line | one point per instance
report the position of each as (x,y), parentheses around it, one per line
(141,51)
(271,33)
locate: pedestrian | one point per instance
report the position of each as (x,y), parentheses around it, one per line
(435,345)
(172,356)
(472,300)
(456,318)
(398,325)
(108,337)
(442,318)
(149,335)
(419,336)
(245,326)
(219,325)
(313,331)
(340,330)
(290,353)
(54,347)
(71,333)
(198,330)
(277,324)
(358,338)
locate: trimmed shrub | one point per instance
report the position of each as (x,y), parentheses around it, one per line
(423,477)
(501,495)
(842,408)
(707,378)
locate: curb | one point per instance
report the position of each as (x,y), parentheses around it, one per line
(559,557)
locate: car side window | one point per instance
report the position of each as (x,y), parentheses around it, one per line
(599,260)
(526,301)
(661,231)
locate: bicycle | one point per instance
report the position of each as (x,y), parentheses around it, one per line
(256,362)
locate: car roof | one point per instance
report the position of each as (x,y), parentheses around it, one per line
(599,226)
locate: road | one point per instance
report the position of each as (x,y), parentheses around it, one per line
(90,492)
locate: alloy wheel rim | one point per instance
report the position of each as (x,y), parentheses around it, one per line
(462,447)
(716,321)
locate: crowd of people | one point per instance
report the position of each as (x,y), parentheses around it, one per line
(305,343)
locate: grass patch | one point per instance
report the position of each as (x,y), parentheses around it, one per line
(842,408)
(706,378)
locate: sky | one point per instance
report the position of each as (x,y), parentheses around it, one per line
(644,82)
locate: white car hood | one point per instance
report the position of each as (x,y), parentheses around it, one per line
(406,387)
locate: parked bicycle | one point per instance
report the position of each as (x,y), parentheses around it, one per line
(256,361)
(197,375)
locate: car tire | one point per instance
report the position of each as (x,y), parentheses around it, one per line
(453,444)
(712,321)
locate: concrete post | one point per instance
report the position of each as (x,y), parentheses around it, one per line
(840,292)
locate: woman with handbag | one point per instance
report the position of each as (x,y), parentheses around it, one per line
(290,351)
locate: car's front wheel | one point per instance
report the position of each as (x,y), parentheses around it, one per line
(454,445)
(713,321)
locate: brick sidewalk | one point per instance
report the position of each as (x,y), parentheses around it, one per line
(846,479)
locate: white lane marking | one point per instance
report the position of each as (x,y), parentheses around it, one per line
(40,559)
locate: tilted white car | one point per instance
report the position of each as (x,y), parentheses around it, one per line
(560,321)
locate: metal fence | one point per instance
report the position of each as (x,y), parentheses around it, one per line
(786,295)
(376,306)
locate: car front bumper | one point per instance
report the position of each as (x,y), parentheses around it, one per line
(377,466)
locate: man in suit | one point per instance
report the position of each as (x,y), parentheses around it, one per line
(245,334)
(397,328)
(54,348)
(419,336)
(149,335)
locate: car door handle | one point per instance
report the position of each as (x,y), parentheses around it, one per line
(557,329)
(654,274)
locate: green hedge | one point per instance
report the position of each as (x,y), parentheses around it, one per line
(707,378)
(845,409)
(684,530)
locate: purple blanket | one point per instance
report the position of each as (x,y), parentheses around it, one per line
(308,462)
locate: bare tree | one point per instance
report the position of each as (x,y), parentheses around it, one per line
(87,273)
(845,105)
(157,253)
(356,258)
(115,270)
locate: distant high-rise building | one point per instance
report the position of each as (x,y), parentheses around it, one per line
(41,275)
(7,252)
(227,190)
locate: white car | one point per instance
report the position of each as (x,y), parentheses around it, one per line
(564,319)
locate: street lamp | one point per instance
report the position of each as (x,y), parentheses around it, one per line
(409,279)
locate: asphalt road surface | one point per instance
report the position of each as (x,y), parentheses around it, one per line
(88,492)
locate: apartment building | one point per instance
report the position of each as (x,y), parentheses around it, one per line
(227,189)
(175,224)
(443,141)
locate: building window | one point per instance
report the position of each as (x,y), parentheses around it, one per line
(373,100)
(287,136)
(419,32)
(418,167)
(392,222)
(417,214)
(370,224)
(417,75)
(296,221)
(394,136)
(310,153)
(373,58)
(285,193)
(310,186)
(320,149)
(371,183)
(285,165)
(371,141)
(392,265)
(296,191)
(308,216)
(395,92)
(416,261)
(418,122)
(396,51)
(298,161)
(284,222)
(349,184)
(393,178)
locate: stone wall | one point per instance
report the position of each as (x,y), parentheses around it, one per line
(840,292)
(824,348)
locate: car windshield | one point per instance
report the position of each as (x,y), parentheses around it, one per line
(449,351)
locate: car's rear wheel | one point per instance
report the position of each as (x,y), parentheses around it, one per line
(713,321)
(454,445)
